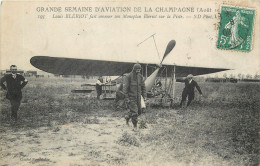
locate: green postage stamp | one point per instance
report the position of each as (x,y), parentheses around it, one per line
(236,28)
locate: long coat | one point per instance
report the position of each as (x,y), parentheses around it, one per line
(134,86)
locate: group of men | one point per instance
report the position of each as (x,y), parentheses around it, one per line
(133,90)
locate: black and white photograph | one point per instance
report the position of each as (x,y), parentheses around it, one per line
(129,83)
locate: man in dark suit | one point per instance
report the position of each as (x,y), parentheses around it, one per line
(188,90)
(14,85)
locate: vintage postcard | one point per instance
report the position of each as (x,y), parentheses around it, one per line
(129,82)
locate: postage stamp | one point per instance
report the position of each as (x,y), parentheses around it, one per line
(236,28)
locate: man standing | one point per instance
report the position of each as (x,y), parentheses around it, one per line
(14,84)
(133,88)
(99,84)
(188,90)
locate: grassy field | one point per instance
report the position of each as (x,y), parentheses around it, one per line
(57,127)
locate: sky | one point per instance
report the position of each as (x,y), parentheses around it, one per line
(24,35)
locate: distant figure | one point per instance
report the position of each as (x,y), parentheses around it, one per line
(108,79)
(99,84)
(133,88)
(188,90)
(157,88)
(158,83)
(14,84)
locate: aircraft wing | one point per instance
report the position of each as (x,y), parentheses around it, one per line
(71,66)
(104,84)
(183,71)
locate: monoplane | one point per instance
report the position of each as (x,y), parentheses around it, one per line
(90,67)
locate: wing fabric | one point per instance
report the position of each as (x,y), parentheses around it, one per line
(70,66)
(183,71)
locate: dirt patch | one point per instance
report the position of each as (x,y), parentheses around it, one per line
(56,127)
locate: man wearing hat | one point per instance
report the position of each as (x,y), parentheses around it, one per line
(14,85)
(133,88)
(188,90)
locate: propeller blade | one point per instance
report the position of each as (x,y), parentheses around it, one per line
(169,48)
(151,79)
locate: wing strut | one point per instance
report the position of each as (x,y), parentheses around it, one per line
(154,44)
(145,39)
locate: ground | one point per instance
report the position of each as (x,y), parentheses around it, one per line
(57,127)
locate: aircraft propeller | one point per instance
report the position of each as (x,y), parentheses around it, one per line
(150,80)
(169,48)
